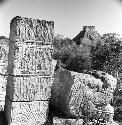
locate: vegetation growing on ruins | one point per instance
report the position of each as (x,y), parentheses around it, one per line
(101,52)
(90,51)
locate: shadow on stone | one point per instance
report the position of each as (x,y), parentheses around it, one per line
(2,118)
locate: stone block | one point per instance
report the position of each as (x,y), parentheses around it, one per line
(29,58)
(28,88)
(2,104)
(3,69)
(3,58)
(3,54)
(24,29)
(23,113)
(71,90)
(62,121)
(3,83)
(2,96)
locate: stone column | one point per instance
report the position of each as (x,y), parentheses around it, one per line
(30,71)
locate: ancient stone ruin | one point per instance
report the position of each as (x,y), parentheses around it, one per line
(29,78)
(35,94)
(4,48)
(82,94)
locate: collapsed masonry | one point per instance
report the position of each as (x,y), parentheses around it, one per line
(82,94)
(29,78)
(78,94)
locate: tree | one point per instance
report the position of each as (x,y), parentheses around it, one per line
(76,58)
(101,53)
(60,41)
(107,56)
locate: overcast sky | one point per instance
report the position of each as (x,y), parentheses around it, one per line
(69,16)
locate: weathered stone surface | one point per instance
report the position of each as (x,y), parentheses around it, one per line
(3,83)
(23,113)
(2,102)
(3,54)
(62,121)
(28,88)
(109,80)
(3,68)
(71,90)
(4,48)
(29,58)
(24,29)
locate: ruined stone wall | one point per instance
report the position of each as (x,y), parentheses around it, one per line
(29,71)
(4,48)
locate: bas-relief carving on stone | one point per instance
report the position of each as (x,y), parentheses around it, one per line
(29,88)
(29,71)
(26,112)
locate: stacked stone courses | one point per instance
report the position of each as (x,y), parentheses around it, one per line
(26,59)
(30,71)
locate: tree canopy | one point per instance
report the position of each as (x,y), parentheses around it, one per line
(99,53)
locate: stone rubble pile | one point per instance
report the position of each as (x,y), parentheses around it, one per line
(29,71)
(81,95)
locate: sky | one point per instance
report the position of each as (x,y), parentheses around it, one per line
(69,16)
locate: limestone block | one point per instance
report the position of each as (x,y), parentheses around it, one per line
(2,96)
(3,83)
(3,68)
(62,121)
(29,58)
(71,90)
(24,29)
(109,81)
(23,113)
(103,97)
(3,58)
(2,104)
(4,48)
(28,88)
